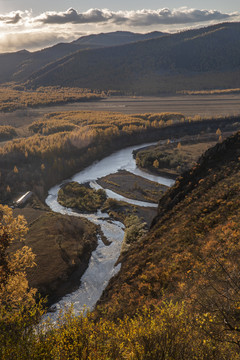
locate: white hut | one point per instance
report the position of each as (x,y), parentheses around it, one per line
(23,199)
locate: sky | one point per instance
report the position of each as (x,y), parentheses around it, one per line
(32,25)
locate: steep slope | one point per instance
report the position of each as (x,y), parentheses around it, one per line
(193,59)
(19,65)
(192,251)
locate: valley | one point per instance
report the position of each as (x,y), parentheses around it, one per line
(119,197)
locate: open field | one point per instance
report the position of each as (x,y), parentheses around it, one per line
(203,105)
(212,105)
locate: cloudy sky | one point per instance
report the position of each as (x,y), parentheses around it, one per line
(31,25)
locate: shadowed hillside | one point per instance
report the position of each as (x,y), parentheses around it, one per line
(19,65)
(194,59)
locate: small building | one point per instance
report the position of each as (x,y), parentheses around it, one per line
(24,198)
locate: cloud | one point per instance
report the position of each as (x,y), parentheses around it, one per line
(143,17)
(12,18)
(21,29)
(134,18)
(72,16)
(33,40)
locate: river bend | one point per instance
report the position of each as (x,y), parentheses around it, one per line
(102,262)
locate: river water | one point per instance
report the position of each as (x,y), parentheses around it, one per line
(102,262)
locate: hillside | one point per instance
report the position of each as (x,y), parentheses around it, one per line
(20,65)
(193,59)
(10,62)
(191,252)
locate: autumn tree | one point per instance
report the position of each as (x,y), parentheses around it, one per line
(179,146)
(19,313)
(135,229)
(156,164)
(15,170)
(14,289)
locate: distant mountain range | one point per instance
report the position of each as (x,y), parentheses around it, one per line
(18,66)
(153,63)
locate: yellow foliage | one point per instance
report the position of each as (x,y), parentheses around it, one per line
(15,170)
(14,289)
(169,332)
(12,99)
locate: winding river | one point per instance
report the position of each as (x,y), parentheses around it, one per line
(102,262)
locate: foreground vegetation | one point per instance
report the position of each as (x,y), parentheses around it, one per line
(169,332)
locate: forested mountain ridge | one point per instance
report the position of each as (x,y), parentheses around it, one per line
(18,66)
(193,59)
